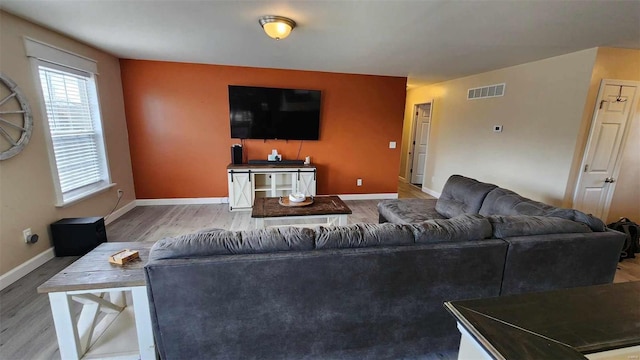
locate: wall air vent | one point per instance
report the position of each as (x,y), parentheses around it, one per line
(486,92)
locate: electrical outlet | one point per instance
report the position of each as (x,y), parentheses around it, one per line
(120,193)
(25,234)
(392,144)
(359,182)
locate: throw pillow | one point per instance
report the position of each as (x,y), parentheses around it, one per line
(466,227)
(450,208)
(224,242)
(571,214)
(522,225)
(363,235)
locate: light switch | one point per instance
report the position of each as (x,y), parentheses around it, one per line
(497,128)
(392,144)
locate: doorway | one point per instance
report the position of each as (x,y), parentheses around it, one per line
(600,166)
(418,150)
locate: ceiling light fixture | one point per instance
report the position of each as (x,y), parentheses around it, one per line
(277,27)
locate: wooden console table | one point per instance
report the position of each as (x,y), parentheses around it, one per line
(101,288)
(249,182)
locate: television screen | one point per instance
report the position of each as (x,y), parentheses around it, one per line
(272,113)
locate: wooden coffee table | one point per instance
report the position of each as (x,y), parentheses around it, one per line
(331,208)
(101,288)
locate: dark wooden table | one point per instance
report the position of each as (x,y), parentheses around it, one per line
(561,324)
(102,287)
(331,208)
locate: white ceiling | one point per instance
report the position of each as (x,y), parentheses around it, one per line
(427,41)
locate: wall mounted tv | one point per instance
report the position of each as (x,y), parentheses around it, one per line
(272,113)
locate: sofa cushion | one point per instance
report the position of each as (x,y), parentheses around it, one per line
(363,235)
(223,242)
(462,195)
(466,227)
(533,208)
(522,225)
(408,211)
(593,222)
(506,202)
(500,201)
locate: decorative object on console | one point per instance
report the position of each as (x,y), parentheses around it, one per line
(290,203)
(274,156)
(297,197)
(277,27)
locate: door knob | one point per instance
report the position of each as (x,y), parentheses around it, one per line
(609,180)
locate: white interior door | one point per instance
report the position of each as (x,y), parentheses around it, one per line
(420,142)
(600,167)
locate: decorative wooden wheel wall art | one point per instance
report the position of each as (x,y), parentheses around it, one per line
(16,122)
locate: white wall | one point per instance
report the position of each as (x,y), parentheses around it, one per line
(27,194)
(541,113)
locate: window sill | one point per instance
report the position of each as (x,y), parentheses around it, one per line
(84,195)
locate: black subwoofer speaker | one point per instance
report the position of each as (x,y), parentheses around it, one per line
(236,155)
(77,236)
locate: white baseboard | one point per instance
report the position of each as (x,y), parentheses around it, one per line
(118,213)
(182,201)
(28,266)
(368,196)
(431,192)
(225,200)
(23,269)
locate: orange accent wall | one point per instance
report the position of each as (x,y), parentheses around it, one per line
(179,132)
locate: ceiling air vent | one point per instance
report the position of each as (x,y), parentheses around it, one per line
(486,92)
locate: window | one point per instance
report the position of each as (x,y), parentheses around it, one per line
(74,128)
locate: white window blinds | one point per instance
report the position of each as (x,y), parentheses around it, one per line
(74,126)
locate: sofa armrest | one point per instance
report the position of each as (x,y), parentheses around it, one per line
(558,261)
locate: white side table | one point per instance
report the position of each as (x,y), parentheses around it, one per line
(115,320)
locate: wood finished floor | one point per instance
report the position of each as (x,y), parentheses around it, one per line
(26,324)
(406,190)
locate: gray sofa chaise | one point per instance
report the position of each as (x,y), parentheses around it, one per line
(363,291)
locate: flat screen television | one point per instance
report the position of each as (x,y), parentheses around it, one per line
(272,113)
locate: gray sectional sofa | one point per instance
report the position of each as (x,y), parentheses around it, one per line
(364,291)
(546,250)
